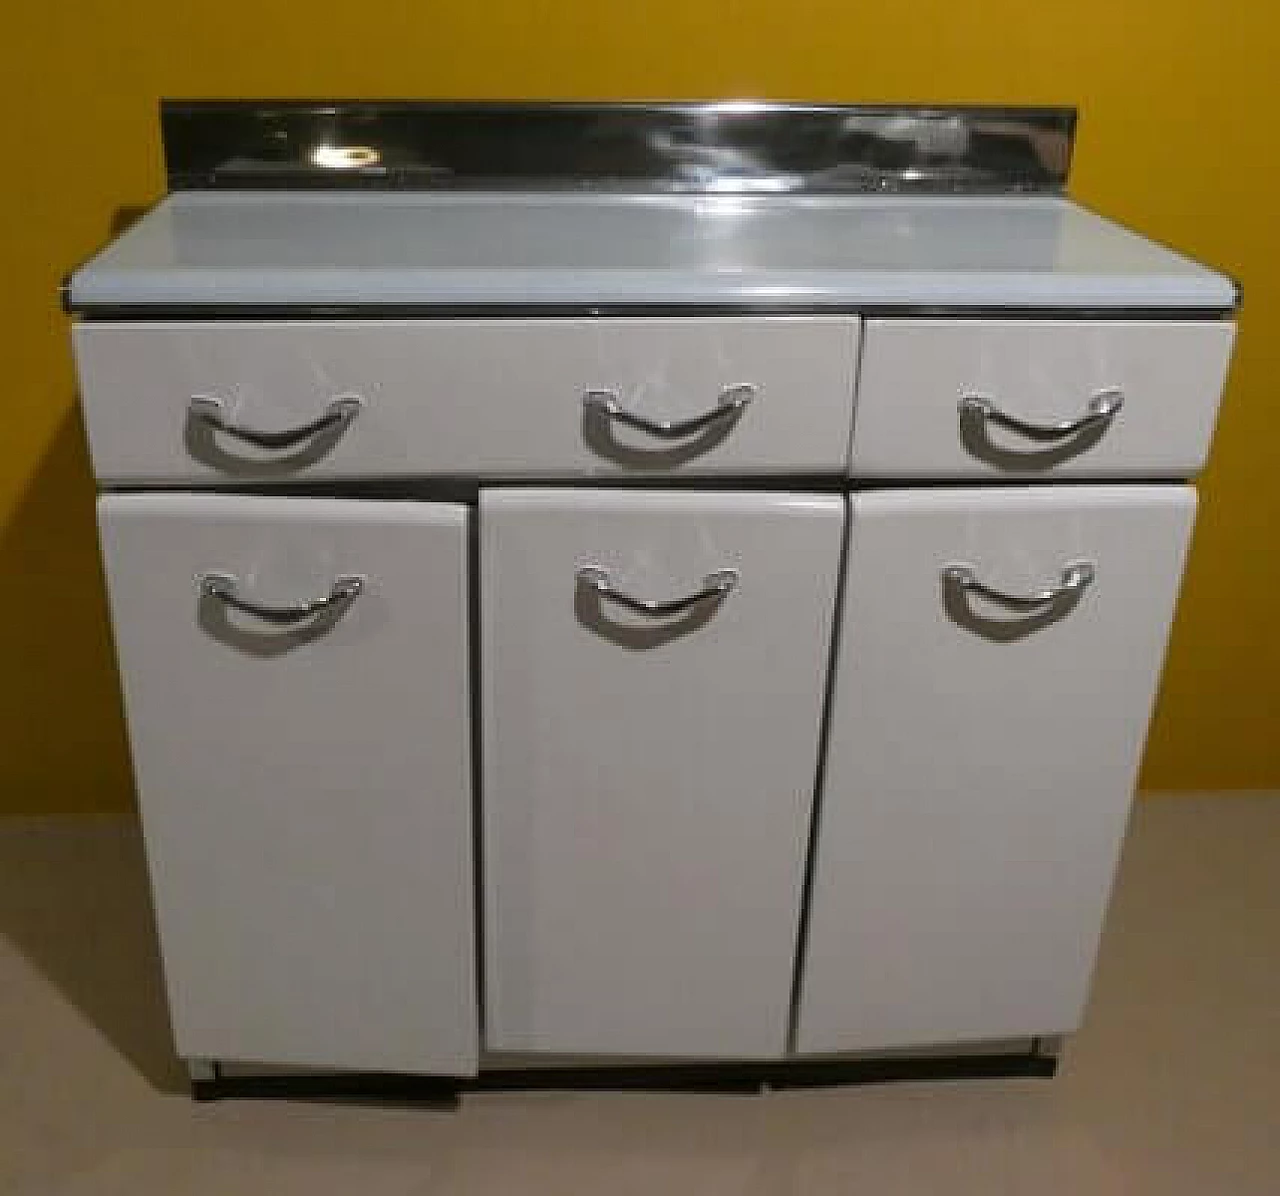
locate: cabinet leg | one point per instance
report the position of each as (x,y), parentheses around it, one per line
(1049,1047)
(206,1079)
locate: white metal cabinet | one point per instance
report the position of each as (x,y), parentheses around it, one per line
(1100,398)
(648,780)
(981,758)
(401,398)
(304,782)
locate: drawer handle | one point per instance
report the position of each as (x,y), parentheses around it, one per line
(731,402)
(212,412)
(225,588)
(1100,411)
(714,587)
(1074,579)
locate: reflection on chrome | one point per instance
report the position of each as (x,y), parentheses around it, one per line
(344,157)
(745,146)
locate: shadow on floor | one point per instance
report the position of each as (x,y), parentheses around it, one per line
(74,896)
(74,901)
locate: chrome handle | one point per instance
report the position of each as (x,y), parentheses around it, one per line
(212,412)
(730,402)
(1074,579)
(1100,411)
(714,586)
(225,587)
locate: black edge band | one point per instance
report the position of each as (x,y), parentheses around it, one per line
(365,311)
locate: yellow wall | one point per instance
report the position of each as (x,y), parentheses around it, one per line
(1178,101)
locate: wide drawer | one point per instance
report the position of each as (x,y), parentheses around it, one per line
(1027,398)
(276,400)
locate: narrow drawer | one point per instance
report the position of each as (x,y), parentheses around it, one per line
(264,400)
(1028,398)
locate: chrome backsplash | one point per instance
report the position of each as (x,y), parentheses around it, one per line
(727,147)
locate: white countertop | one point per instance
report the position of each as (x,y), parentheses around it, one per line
(342,249)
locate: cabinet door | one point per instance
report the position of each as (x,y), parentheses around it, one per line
(649,774)
(981,756)
(303,772)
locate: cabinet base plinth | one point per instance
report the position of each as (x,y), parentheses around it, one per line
(741,1078)
(433,1091)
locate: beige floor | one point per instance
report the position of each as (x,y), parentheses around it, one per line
(1173,1087)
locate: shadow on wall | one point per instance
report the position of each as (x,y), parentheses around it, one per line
(74,901)
(61,725)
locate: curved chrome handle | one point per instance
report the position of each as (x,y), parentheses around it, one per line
(225,587)
(1100,411)
(212,412)
(714,586)
(731,400)
(1072,582)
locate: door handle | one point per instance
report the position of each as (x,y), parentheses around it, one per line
(962,580)
(225,588)
(731,401)
(976,411)
(338,414)
(715,586)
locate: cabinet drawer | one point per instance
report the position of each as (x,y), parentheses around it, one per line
(303,774)
(649,776)
(548,397)
(1029,398)
(981,756)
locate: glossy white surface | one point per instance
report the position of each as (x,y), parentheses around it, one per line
(914,371)
(487,397)
(306,801)
(648,783)
(977,788)
(265,248)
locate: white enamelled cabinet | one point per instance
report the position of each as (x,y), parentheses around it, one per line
(622,591)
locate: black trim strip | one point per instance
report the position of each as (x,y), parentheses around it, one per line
(680,1077)
(512,311)
(466,491)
